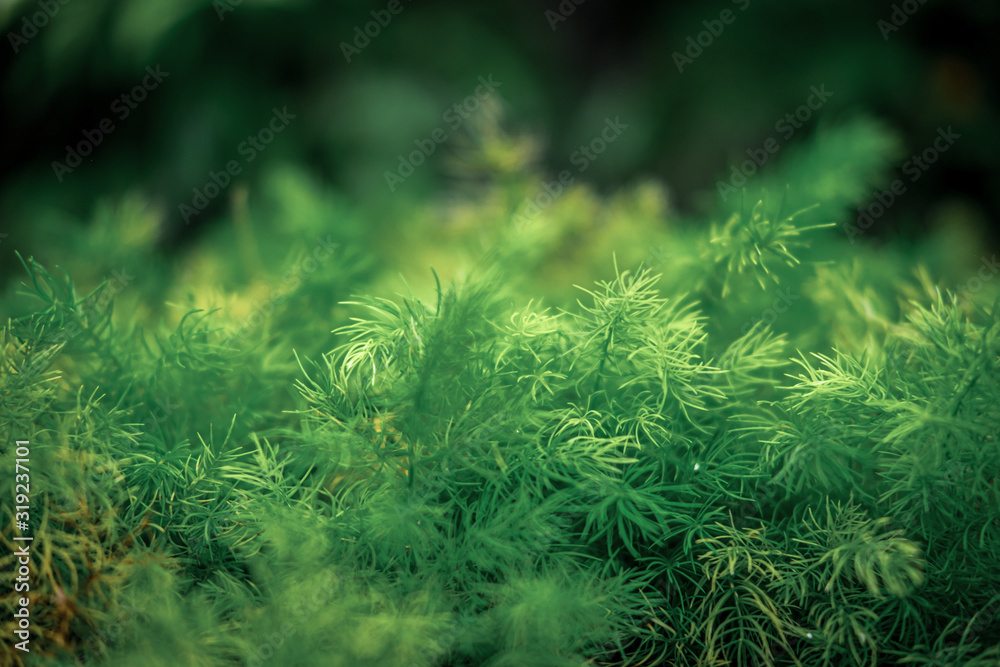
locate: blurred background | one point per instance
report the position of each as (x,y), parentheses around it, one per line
(271,160)
(183,85)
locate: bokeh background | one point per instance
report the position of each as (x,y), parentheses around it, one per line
(563,68)
(192,326)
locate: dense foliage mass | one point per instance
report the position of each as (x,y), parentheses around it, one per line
(753,444)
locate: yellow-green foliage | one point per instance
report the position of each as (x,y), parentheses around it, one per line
(255,452)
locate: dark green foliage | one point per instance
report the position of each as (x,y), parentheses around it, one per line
(476,478)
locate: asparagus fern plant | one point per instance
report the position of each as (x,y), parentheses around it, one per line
(493,476)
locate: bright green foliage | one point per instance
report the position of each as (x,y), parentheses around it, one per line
(480,478)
